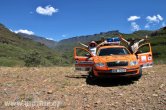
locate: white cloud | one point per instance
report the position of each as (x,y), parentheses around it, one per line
(64,35)
(154,19)
(24,31)
(133,18)
(11,30)
(163,24)
(147,26)
(160,17)
(135,26)
(50,38)
(47,10)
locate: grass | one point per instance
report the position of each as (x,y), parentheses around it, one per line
(10,62)
(13,49)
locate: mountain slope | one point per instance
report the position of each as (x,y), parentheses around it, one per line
(42,40)
(68,44)
(157,39)
(13,49)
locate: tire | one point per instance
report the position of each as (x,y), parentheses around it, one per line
(91,78)
(136,78)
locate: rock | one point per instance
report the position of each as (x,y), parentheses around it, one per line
(148,73)
(97,102)
(49,92)
(153,71)
(133,108)
(161,86)
(155,95)
(87,106)
(120,94)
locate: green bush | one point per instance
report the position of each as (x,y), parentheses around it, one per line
(32,59)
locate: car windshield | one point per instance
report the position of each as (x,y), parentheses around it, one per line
(113,51)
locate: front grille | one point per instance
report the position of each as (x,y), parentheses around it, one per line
(117,63)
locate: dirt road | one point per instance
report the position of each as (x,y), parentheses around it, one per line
(62,88)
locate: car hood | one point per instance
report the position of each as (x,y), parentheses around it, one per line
(114,58)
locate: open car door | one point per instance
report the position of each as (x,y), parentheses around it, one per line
(144,55)
(83,59)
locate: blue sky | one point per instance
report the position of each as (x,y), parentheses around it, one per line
(61,19)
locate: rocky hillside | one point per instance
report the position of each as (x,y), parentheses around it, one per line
(14,48)
(157,39)
(42,40)
(68,44)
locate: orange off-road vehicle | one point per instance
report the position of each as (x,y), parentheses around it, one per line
(114,61)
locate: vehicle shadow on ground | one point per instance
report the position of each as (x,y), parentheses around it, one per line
(110,82)
(77,76)
(104,82)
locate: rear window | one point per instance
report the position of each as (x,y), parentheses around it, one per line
(113,51)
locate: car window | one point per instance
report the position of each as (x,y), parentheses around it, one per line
(81,52)
(144,49)
(113,51)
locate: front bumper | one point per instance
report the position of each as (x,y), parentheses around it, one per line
(130,72)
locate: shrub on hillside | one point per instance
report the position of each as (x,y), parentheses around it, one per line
(32,59)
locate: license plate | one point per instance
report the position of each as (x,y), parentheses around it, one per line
(118,70)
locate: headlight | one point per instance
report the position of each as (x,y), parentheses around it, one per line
(133,63)
(99,64)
